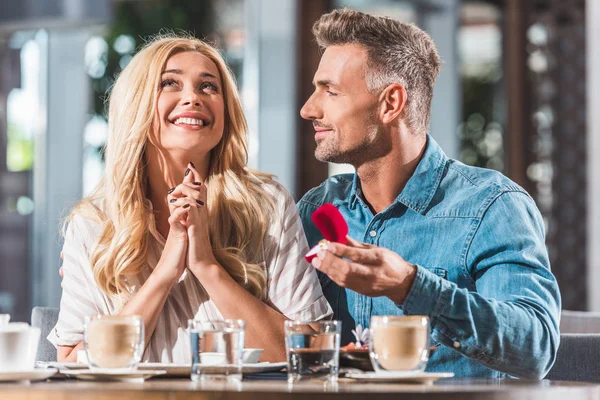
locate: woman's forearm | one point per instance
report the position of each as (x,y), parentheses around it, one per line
(264,325)
(149,301)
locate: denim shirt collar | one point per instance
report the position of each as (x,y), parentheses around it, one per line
(421,186)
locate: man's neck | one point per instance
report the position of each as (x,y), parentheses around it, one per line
(383,179)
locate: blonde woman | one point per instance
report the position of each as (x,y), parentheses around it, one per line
(180,227)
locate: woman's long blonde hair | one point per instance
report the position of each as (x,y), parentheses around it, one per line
(239,208)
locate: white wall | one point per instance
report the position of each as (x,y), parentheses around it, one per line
(593,155)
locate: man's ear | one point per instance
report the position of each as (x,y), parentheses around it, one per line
(393,101)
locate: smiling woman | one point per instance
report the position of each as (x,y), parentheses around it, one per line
(180,228)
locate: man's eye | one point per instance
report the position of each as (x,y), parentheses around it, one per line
(330,93)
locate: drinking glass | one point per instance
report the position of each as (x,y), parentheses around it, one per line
(399,343)
(113,341)
(217,349)
(313,350)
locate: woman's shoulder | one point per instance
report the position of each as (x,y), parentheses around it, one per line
(282,197)
(82,227)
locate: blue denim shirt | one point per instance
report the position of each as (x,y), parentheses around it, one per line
(483,275)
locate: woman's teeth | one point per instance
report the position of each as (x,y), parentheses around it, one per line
(189,121)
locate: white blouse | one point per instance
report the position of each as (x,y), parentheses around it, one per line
(292,285)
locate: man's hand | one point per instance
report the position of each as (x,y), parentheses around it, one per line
(367,269)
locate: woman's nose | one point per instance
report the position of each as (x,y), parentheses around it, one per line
(190,97)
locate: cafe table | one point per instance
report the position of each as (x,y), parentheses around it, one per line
(174,389)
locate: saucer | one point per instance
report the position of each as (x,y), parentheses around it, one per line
(400,376)
(37,374)
(182,370)
(112,375)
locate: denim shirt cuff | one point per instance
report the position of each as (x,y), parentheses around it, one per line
(424,296)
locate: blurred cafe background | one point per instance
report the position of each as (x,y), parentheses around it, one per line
(519,92)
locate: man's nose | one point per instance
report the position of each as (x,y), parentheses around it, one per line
(310,110)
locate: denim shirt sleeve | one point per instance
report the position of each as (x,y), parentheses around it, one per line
(510,323)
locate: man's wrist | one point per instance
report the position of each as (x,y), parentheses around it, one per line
(398,293)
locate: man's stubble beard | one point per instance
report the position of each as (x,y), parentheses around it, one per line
(372,146)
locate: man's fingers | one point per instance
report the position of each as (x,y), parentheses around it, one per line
(356,243)
(342,272)
(358,255)
(61,272)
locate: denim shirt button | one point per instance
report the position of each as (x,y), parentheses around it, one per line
(373,233)
(456,345)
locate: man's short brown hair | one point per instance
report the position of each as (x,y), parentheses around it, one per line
(397,53)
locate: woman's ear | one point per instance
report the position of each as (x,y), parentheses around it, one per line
(393,101)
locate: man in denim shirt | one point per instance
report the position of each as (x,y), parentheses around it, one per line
(429,235)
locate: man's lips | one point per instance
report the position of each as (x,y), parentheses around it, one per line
(321,132)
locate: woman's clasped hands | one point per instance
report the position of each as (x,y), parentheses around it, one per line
(188,243)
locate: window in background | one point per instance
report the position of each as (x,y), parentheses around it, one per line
(480,50)
(22,105)
(21,54)
(108,52)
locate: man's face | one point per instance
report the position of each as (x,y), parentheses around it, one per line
(343,111)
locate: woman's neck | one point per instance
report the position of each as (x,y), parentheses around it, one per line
(166,170)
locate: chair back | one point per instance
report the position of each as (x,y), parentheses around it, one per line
(579,322)
(577,358)
(45,318)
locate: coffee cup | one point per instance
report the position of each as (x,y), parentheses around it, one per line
(399,343)
(4,319)
(115,342)
(18,347)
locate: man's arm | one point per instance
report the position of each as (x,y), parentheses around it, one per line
(510,324)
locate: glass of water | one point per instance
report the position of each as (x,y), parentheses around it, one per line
(217,348)
(313,350)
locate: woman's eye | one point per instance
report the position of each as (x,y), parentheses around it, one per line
(209,85)
(167,82)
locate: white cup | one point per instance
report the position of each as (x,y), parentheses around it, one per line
(4,319)
(18,347)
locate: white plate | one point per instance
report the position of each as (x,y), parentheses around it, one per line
(404,376)
(67,365)
(180,370)
(37,374)
(112,375)
(257,368)
(186,369)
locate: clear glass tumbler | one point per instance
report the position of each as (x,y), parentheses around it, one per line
(399,343)
(217,349)
(313,350)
